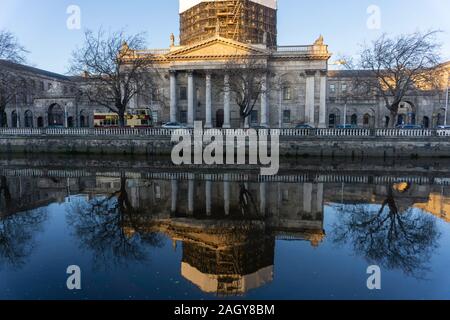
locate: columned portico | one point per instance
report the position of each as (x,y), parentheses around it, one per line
(173,96)
(191,111)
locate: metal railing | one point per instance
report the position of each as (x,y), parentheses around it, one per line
(161,132)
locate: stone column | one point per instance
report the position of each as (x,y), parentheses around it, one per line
(226,103)
(323,100)
(264,118)
(263,197)
(191,90)
(174,195)
(307,197)
(310,99)
(319,202)
(191,190)
(208,197)
(173,96)
(226,194)
(208,120)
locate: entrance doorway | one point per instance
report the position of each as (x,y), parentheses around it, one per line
(220,118)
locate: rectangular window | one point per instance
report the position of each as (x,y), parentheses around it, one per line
(287,93)
(332,88)
(287,116)
(254,117)
(183,93)
(344,88)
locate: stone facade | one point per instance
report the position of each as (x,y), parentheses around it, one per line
(424,108)
(49,99)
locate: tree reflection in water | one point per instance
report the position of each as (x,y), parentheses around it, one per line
(112,229)
(17,228)
(388,236)
(247,204)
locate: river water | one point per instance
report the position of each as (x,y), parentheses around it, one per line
(142,229)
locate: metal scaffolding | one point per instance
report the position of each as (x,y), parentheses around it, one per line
(240,20)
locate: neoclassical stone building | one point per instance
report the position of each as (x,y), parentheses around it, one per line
(196,87)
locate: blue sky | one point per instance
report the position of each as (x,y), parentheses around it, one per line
(41,25)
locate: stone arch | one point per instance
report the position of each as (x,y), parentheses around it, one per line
(440,118)
(15,121)
(426,122)
(369,119)
(334,118)
(406,113)
(55,115)
(28,119)
(84,119)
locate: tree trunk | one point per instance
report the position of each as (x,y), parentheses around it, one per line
(122,121)
(393,119)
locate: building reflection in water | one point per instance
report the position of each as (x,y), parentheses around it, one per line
(227,229)
(227,224)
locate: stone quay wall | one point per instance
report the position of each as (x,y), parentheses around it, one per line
(361,143)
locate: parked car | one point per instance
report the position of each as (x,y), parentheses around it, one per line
(443,127)
(304,126)
(347,126)
(409,126)
(173,125)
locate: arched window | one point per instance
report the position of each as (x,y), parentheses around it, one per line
(354,119)
(28,119)
(387,121)
(332,121)
(84,119)
(14,120)
(426,122)
(440,118)
(55,115)
(366,120)
(400,120)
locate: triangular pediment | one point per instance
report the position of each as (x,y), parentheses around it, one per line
(216,47)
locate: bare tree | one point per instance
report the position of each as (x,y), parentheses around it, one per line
(113,71)
(394,68)
(10,48)
(11,84)
(247,78)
